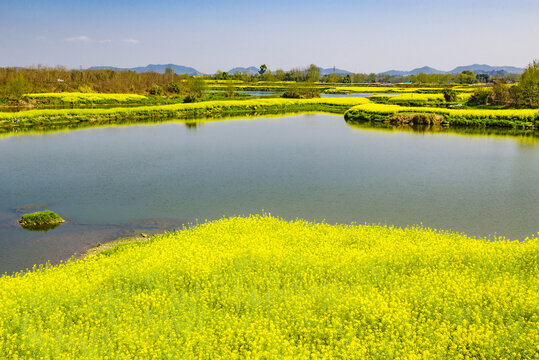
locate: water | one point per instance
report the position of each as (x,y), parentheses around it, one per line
(117,181)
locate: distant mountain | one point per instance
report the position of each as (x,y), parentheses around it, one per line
(424,69)
(239,70)
(333,71)
(487,69)
(178,69)
(476,68)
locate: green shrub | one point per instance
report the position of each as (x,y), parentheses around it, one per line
(295,92)
(174,87)
(191,98)
(450,95)
(156,90)
(480,97)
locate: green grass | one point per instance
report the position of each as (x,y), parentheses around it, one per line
(260,287)
(40,218)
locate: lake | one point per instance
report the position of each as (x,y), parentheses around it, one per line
(122,180)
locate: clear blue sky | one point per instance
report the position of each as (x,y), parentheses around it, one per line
(360,36)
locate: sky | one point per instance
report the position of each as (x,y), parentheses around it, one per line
(359,36)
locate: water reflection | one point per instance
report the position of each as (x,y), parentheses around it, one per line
(195,122)
(524,134)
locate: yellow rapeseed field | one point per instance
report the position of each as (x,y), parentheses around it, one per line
(262,288)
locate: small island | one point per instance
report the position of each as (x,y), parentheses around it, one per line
(40,220)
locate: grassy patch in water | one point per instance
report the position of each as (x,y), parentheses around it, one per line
(40,219)
(261,287)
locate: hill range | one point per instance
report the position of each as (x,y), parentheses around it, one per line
(180,69)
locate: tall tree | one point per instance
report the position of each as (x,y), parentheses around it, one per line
(313,73)
(527,90)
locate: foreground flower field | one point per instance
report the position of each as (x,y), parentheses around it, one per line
(260,287)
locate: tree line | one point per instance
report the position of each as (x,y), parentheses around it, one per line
(312,73)
(524,94)
(17,81)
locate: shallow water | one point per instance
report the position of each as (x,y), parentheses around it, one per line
(118,181)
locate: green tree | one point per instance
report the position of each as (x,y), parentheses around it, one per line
(527,90)
(482,78)
(18,86)
(499,94)
(466,77)
(169,71)
(313,73)
(195,86)
(263,69)
(280,74)
(422,78)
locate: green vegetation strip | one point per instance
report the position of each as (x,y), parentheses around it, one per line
(261,287)
(207,108)
(412,99)
(85,98)
(512,118)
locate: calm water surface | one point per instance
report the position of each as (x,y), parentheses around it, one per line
(117,181)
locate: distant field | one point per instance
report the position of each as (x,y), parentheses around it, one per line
(260,287)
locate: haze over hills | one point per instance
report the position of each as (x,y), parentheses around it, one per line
(179,69)
(158,68)
(240,70)
(476,68)
(333,71)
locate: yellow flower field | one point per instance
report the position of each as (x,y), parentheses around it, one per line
(262,288)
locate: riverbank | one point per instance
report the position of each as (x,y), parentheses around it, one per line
(261,286)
